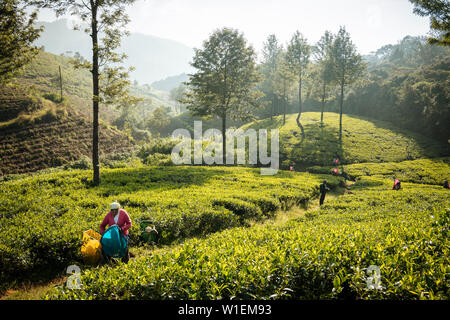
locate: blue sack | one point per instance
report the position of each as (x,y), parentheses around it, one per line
(113,242)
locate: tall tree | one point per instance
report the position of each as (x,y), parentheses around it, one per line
(270,52)
(298,53)
(322,55)
(106,21)
(347,66)
(17,34)
(439,12)
(225,81)
(284,82)
(158,120)
(176,94)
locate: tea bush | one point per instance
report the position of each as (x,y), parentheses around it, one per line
(323,255)
(42,216)
(426,171)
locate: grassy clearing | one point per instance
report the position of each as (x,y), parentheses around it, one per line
(423,171)
(364,140)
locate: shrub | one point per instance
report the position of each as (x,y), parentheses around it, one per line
(158,159)
(326,255)
(52,97)
(42,216)
(83,163)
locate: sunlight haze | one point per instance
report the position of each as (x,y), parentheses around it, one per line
(371,23)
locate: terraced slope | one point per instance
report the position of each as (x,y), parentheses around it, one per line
(43,74)
(326,253)
(37,134)
(14,101)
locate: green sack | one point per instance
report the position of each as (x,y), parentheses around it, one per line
(149,234)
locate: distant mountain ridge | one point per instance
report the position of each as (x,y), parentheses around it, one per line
(154,58)
(170,83)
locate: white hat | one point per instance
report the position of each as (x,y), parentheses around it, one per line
(115,205)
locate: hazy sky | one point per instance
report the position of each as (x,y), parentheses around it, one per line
(371,23)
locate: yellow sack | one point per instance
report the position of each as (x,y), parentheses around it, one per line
(91,250)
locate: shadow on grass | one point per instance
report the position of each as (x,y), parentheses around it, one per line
(268,124)
(431,148)
(320,147)
(114,182)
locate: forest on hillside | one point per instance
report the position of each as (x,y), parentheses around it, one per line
(406,83)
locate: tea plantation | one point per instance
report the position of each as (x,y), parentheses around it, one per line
(42,216)
(326,253)
(211,247)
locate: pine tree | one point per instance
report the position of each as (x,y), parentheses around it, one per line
(439,12)
(271,52)
(284,82)
(347,66)
(322,54)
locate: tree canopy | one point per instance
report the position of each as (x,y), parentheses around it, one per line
(347,66)
(226,78)
(439,12)
(17,34)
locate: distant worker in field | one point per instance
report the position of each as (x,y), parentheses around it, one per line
(335,171)
(336,161)
(397,185)
(119,217)
(446,186)
(323,191)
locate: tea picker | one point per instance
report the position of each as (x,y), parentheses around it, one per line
(149,234)
(115,239)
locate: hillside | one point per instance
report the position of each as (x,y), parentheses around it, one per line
(36,133)
(154,58)
(170,83)
(364,140)
(43,75)
(184,202)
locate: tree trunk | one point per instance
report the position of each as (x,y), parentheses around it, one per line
(340,112)
(95,99)
(284,105)
(277,108)
(272,113)
(300,108)
(60,84)
(323,103)
(224,145)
